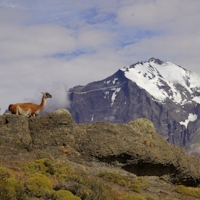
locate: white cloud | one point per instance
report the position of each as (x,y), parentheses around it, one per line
(35,41)
(94,38)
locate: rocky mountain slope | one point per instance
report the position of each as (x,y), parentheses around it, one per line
(132,158)
(163,92)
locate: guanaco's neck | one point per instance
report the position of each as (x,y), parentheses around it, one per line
(43,103)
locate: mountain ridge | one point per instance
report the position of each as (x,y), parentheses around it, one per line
(163,92)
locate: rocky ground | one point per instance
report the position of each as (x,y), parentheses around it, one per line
(131,159)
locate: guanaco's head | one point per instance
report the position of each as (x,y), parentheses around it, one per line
(46,95)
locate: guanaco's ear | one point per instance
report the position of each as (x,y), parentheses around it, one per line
(42,92)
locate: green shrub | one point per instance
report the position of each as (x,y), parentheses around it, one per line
(194,192)
(38,185)
(44,166)
(10,188)
(47,167)
(65,195)
(62,171)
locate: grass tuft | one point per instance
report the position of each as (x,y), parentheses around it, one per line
(194,192)
(135,185)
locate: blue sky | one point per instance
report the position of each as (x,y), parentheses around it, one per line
(51,44)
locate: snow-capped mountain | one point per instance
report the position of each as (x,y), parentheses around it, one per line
(163,80)
(163,92)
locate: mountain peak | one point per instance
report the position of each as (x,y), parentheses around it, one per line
(162,80)
(158,61)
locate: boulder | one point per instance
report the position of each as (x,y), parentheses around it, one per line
(52,130)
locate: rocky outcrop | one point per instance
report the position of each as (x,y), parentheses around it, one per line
(137,148)
(134,146)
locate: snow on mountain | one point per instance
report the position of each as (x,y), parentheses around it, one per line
(155,76)
(116,90)
(191,118)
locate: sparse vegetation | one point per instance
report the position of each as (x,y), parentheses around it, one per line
(115,178)
(44,179)
(64,178)
(194,192)
(124,181)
